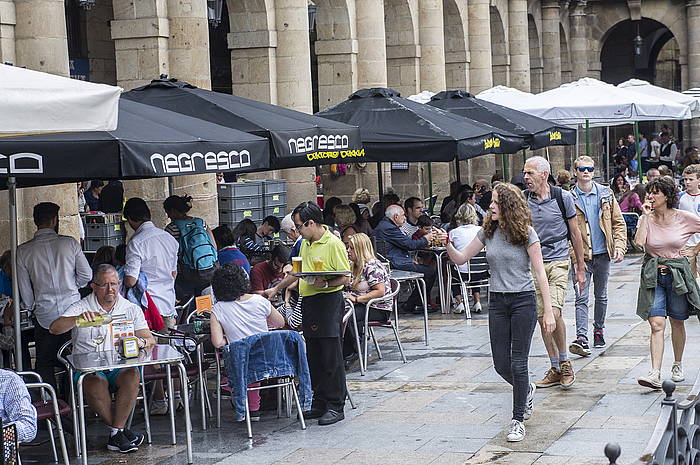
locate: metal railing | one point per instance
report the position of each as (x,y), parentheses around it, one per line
(676,436)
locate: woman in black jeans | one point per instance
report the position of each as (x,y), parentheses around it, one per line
(512,249)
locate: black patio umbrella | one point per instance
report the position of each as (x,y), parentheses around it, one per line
(148,142)
(297,139)
(395,129)
(538,132)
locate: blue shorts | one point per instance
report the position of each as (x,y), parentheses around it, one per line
(110,375)
(666,303)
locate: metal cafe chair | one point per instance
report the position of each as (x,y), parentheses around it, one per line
(390,323)
(49,408)
(9,445)
(477,267)
(350,314)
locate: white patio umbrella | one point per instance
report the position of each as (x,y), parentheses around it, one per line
(506,96)
(32,102)
(644,87)
(598,103)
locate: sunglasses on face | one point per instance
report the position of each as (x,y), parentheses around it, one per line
(585,168)
(299,226)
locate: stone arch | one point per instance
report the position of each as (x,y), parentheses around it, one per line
(402,49)
(499,48)
(565,56)
(334,52)
(253,40)
(536,64)
(456,45)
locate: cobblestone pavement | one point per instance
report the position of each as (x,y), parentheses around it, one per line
(448,406)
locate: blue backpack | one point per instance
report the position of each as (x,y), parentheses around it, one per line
(196,249)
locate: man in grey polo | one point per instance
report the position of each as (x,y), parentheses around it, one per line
(554,220)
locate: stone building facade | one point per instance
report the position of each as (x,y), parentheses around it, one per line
(310,54)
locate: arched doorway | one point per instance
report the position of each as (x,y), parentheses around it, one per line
(536,66)
(90,45)
(402,60)
(635,49)
(220,54)
(499,49)
(456,69)
(565,57)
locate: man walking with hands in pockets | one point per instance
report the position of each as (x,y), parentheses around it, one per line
(554,220)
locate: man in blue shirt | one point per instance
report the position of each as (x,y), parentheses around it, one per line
(603,229)
(16,405)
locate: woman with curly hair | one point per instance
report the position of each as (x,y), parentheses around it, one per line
(512,250)
(238,314)
(667,287)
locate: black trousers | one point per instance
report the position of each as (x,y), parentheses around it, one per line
(429,275)
(327,368)
(47,346)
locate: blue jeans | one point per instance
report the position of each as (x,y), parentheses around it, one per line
(512,320)
(666,302)
(599,270)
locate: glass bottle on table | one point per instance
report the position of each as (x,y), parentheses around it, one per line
(98,320)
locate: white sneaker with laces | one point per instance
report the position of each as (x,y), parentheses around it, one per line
(677,372)
(516,432)
(529,403)
(651,380)
(158,407)
(459,308)
(477,307)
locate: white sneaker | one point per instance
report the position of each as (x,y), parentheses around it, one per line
(459,308)
(651,380)
(477,307)
(529,403)
(677,372)
(516,432)
(158,407)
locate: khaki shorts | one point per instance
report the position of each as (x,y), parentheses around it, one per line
(558,277)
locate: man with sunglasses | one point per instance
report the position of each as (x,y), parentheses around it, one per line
(603,229)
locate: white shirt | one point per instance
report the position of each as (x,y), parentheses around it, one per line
(50,270)
(691,203)
(123,310)
(154,252)
(461,237)
(242,319)
(655,149)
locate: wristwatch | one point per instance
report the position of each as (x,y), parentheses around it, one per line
(326,285)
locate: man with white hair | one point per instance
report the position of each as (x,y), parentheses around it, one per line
(554,220)
(396,247)
(287,226)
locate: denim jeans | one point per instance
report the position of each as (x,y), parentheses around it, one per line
(512,320)
(599,270)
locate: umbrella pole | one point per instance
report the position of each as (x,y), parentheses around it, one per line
(458,175)
(588,139)
(607,152)
(430,187)
(12,196)
(380,184)
(636,148)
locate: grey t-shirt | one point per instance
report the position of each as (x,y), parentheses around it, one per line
(509,264)
(549,224)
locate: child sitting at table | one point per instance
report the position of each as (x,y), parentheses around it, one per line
(238,314)
(425,226)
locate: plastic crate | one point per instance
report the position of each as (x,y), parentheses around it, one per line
(103,218)
(281,236)
(275,186)
(233,217)
(279,212)
(101,230)
(276,200)
(240,189)
(91,244)
(240,203)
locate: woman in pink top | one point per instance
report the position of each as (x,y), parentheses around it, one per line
(663,232)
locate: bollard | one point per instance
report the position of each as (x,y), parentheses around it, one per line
(612,452)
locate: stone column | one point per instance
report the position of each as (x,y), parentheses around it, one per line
(432,44)
(579,40)
(140,31)
(693,62)
(294,84)
(371,43)
(7,31)
(337,70)
(188,55)
(519,45)
(480,73)
(254,65)
(40,43)
(551,46)
(403,68)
